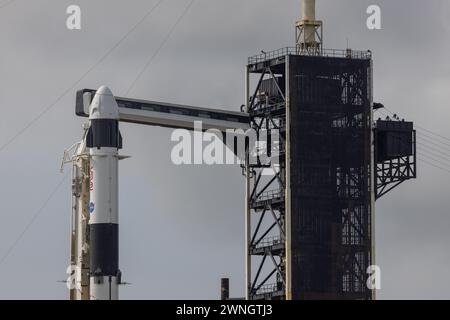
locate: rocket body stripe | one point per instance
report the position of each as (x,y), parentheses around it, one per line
(104,240)
(104,141)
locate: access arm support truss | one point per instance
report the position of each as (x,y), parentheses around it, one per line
(167,114)
(395,154)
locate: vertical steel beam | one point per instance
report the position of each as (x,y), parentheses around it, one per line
(288,219)
(372,173)
(248,235)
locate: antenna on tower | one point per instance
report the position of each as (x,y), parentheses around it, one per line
(309,34)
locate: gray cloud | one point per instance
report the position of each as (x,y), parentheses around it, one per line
(182,227)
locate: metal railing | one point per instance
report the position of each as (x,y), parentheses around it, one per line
(268,288)
(269,241)
(271,194)
(272,107)
(332,53)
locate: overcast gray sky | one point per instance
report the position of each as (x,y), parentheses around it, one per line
(182,227)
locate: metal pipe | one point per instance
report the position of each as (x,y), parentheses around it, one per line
(309,10)
(308,19)
(224,289)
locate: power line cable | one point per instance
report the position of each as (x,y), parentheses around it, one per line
(432,144)
(430,158)
(422,128)
(442,154)
(446,165)
(436,134)
(34,218)
(433,165)
(48,108)
(427,138)
(56,189)
(6,4)
(433,140)
(162,44)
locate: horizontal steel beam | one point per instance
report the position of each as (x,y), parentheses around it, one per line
(167,114)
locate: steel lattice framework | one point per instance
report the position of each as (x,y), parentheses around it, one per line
(309,226)
(309,209)
(266,193)
(395,154)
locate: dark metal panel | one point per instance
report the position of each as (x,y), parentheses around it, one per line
(330,170)
(224,289)
(104,248)
(395,154)
(104,133)
(394,139)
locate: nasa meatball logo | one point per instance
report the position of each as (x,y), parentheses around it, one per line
(91,207)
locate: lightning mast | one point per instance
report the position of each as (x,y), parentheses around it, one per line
(309,34)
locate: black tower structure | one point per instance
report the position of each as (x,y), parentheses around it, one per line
(310,226)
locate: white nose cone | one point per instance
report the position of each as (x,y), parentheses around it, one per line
(104,105)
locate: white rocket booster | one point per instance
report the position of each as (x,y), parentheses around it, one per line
(104,141)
